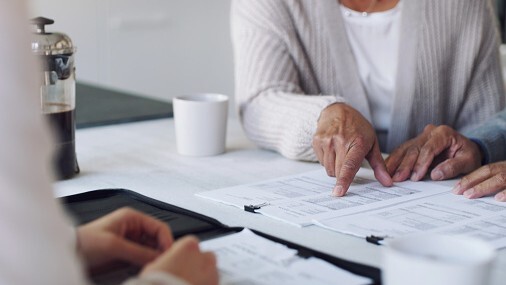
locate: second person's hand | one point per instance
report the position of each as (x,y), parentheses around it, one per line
(123,235)
(448,151)
(486,180)
(343,139)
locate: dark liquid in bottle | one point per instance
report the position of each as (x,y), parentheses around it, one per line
(64,159)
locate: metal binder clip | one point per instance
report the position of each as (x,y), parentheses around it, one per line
(377,240)
(253,208)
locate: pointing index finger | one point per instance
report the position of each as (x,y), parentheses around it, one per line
(350,166)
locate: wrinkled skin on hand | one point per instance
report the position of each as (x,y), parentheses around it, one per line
(448,152)
(343,139)
(485,181)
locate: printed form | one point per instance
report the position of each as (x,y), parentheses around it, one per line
(246,258)
(444,213)
(301,199)
(369,208)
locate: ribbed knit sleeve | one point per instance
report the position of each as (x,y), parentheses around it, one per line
(276,112)
(491,136)
(457,77)
(485,90)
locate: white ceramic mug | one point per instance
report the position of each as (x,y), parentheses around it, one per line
(437,260)
(200,123)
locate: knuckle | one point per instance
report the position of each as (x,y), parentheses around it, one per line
(501,178)
(318,140)
(493,168)
(327,143)
(350,165)
(450,169)
(442,132)
(190,243)
(488,169)
(397,153)
(428,150)
(429,128)
(360,141)
(125,211)
(413,151)
(336,140)
(465,181)
(444,129)
(402,168)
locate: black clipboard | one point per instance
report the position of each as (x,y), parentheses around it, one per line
(88,206)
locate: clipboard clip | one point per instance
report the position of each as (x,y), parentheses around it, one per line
(253,208)
(377,240)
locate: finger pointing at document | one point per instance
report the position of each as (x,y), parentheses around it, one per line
(343,139)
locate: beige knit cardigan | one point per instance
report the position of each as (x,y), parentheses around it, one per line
(293,58)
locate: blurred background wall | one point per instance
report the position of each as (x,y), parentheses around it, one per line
(156,48)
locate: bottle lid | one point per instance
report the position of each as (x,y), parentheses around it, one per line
(44,43)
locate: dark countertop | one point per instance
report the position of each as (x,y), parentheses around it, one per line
(98,106)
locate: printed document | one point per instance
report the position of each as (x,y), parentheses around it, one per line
(370,208)
(444,213)
(246,258)
(301,199)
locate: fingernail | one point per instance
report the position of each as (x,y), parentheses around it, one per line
(397,176)
(414,176)
(469,193)
(501,197)
(338,191)
(456,189)
(385,177)
(437,175)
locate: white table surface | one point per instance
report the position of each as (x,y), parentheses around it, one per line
(142,157)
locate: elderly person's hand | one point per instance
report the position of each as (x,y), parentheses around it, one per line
(342,140)
(487,180)
(449,152)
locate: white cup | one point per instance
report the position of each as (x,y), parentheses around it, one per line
(432,259)
(200,123)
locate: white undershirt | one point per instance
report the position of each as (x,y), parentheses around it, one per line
(374,40)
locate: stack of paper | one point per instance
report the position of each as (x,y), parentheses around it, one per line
(246,258)
(369,208)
